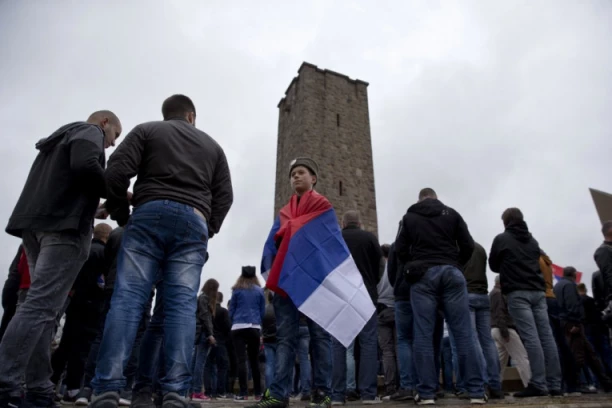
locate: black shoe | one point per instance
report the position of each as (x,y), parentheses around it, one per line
(555,393)
(69,400)
(530,391)
(320,400)
(82,400)
(267,401)
(174,400)
(402,395)
(462,395)
(440,393)
(421,401)
(38,401)
(305,397)
(352,395)
(143,398)
(105,400)
(496,394)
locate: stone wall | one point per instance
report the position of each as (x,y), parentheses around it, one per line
(324,115)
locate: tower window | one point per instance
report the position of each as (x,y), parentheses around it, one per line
(338,119)
(340,188)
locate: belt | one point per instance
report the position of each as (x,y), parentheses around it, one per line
(199,213)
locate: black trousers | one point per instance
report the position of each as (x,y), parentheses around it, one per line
(246,343)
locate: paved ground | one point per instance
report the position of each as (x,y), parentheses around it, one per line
(584,401)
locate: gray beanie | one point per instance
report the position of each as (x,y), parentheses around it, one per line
(307,162)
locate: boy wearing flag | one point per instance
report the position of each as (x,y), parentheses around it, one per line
(308,266)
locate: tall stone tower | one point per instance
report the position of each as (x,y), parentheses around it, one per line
(324,115)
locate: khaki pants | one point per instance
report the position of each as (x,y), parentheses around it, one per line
(512,348)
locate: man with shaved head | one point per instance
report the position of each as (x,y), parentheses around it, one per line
(367,254)
(54,218)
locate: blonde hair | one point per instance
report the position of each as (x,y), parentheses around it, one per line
(210,289)
(246,283)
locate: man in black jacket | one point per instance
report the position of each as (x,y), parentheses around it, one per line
(10,292)
(181,197)
(433,242)
(366,253)
(54,218)
(603,259)
(572,317)
(515,255)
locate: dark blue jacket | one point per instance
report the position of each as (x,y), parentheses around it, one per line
(247,306)
(570,303)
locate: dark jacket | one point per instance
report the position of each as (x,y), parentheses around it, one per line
(268,328)
(247,306)
(11,285)
(401,287)
(204,322)
(366,253)
(476,271)
(592,316)
(66,181)
(500,318)
(174,161)
(603,259)
(433,234)
(222,325)
(86,291)
(570,303)
(599,290)
(111,250)
(515,255)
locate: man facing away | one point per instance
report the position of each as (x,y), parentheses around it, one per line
(366,252)
(515,255)
(181,197)
(387,333)
(433,242)
(54,218)
(603,259)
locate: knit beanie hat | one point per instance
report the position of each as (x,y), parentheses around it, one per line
(307,162)
(248,271)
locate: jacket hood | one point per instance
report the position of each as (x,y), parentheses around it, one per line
(519,230)
(430,207)
(48,143)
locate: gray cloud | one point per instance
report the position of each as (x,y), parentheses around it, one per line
(491,104)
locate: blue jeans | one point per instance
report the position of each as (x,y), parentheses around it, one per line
(368,363)
(351,382)
(404,319)
(530,313)
(287,336)
(198,361)
(151,351)
(443,283)
(480,311)
(160,235)
(217,365)
(270,350)
(447,365)
(303,352)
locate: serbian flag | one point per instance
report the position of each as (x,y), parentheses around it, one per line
(558,273)
(314,268)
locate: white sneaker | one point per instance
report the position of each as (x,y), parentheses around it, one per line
(374,401)
(479,401)
(420,401)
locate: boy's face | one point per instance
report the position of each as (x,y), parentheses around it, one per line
(301,180)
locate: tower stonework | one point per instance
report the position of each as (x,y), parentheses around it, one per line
(324,115)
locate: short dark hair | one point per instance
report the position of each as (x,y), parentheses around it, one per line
(512,214)
(177,106)
(219,297)
(606,228)
(582,287)
(569,271)
(351,217)
(427,193)
(385,248)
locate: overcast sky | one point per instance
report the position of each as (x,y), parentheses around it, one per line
(493,104)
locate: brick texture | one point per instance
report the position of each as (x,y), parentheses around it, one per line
(324,115)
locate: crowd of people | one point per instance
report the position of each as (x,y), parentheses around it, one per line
(139,330)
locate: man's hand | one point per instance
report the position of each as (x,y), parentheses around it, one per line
(101,213)
(212,341)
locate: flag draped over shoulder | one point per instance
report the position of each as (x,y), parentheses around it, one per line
(306,259)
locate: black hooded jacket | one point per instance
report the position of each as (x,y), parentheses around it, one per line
(401,287)
(433,234)
(603,259)
(476,271)
(515,255)
(65,183)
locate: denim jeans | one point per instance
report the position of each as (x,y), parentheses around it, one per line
(270,350)
(198,362)
(404,320)
(149,369)
(217,365)
(303,353)
(351,381)
(480,311)
(160,235)
(55,260)
(287,336)
(387,341)
(368,363)
(529,311)
(447,365)
(444,283)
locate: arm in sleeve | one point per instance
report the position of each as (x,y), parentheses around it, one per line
(392,265)
(378,262)
(262,306)
(222,194)
(506,320)
(603,259)
(573,303)
(494,260)
(86,159)
(232,306)
(402,243)
(465,242)
(122,166)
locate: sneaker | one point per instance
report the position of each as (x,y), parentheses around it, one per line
(402,395)
(556,393)
(530,391)
(479,401)
(338,403)
(374,401)
(352,395)
(82,400)
(200,397)
(267,401)
(496,394)
(105,400)
(440,393)
(421,401)
(125,398)
(224,397)
(70,397)
(143,398)
(174,400)
(462,395)
(240,398)
(320,400)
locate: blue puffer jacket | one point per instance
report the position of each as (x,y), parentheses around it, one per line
(247,306)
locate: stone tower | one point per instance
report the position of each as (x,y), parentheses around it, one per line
(324,115)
